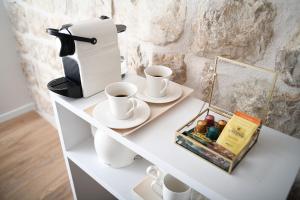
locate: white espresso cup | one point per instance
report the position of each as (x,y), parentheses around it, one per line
(120,97)
(157,79)
(167,186)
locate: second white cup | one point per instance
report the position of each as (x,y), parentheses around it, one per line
(120,97)
(157,78)
(172,188)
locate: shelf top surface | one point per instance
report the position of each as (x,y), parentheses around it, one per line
(267,172)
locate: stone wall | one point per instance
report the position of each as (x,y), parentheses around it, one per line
(184,35)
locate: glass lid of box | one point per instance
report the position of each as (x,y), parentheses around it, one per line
(241,87)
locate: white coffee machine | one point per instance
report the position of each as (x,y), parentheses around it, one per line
(90,56)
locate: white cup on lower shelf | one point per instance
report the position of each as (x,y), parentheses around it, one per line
(167,186)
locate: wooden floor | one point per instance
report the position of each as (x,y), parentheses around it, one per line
(31,160)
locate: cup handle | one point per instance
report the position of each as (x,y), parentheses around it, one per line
(153,172)
(156,186)
(133,106)
(166,83)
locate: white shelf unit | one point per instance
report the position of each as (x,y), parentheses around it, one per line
(263,173)
(78,147)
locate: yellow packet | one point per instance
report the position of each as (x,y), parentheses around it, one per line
(238,132)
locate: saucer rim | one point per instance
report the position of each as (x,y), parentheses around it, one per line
(157,100)
(106,112)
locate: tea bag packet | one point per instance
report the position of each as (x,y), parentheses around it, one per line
(238,132)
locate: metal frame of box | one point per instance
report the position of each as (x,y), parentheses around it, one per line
(190,144)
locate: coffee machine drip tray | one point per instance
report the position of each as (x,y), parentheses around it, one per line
(65,87)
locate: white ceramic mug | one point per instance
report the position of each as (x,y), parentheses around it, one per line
(167,186)
(120,96)
(157,78)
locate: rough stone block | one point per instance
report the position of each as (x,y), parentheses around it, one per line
(174,62)
(234,29)
(138,58)
(158,22)
(288,62)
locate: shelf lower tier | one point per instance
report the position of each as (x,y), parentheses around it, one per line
(118,182)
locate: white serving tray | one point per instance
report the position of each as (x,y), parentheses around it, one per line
(156,109)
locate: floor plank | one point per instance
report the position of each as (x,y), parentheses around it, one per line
(31,160)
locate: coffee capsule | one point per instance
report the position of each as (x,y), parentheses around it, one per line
(210,120)
(221,124)
(201,126)
(213,133)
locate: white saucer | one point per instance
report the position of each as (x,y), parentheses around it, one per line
(174,92)
(143,190)
(102,113)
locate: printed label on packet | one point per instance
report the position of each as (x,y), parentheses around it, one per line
(238,132)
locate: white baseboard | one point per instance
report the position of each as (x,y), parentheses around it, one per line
(16,112)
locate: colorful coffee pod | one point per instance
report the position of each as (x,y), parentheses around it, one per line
(210,120)
(201,127)
(221,124)
(213,133)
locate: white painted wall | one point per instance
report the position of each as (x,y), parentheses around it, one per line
(14,95)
